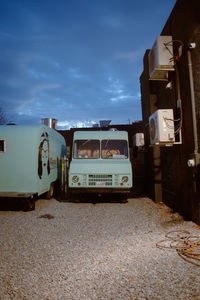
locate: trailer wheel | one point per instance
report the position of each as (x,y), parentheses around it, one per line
(31,204)
(50,191)
(28,204)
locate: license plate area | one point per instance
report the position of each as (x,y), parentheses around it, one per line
(100,183)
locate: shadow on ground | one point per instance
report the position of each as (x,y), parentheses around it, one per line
(12,204)
(95,198)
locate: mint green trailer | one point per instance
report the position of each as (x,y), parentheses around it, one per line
(32,160)
(100,163)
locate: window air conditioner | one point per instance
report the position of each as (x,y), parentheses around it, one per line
(161,126)
(138,139)
(161,58)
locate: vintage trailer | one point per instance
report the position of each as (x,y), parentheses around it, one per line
(100,163)
(32,161)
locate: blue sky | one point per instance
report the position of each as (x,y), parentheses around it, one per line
(78,61)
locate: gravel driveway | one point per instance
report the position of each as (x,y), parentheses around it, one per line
(102,251)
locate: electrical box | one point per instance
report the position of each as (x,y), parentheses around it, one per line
(161,58)
(161,126)
(138,139)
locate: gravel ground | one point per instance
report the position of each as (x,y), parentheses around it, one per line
(86,251)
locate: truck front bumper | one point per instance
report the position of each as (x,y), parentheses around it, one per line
(99,190)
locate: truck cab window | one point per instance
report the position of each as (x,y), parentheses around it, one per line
(114,149)
(86,149)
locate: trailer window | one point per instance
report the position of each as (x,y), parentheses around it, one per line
(2,145)
(86,149)
(114,149)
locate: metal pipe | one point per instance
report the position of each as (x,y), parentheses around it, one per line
(178,90)
(194,119)
(52,123)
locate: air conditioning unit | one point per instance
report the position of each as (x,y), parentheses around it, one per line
(161,126)
(138,139)
(161,59)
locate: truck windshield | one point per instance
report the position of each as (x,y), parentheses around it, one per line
(116,149)
(86,148)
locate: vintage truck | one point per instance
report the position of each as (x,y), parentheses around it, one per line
(32,162)
(100,163)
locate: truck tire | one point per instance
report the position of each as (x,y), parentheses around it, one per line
(124,198)
(68,194)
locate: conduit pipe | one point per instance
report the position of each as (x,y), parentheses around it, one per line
(194,119)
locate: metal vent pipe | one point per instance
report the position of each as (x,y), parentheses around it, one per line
(52,123)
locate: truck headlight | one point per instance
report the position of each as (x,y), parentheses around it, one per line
(125,179)
(75,179)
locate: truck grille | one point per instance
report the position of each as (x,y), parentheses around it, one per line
(116,180)
(100,180)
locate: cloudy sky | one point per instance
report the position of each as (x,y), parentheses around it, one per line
(78,61)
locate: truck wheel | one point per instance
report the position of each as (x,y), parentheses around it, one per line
(50,191)
(124,198)
(68,195)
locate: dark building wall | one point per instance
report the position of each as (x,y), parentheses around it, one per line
(176,184)
(148,102)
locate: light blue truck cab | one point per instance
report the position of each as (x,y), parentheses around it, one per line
(100,163)
(32,160)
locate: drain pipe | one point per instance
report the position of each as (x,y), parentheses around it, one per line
(195,160)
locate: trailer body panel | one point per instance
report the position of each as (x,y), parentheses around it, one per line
(30,160)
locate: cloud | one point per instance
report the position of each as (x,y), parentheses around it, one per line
(117,91)
(75,73)
(34,91)
(130,56)
(112,21)
(120,98)
(75,124)
(67,63)
(46,86)
(115,85)
(39,75)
